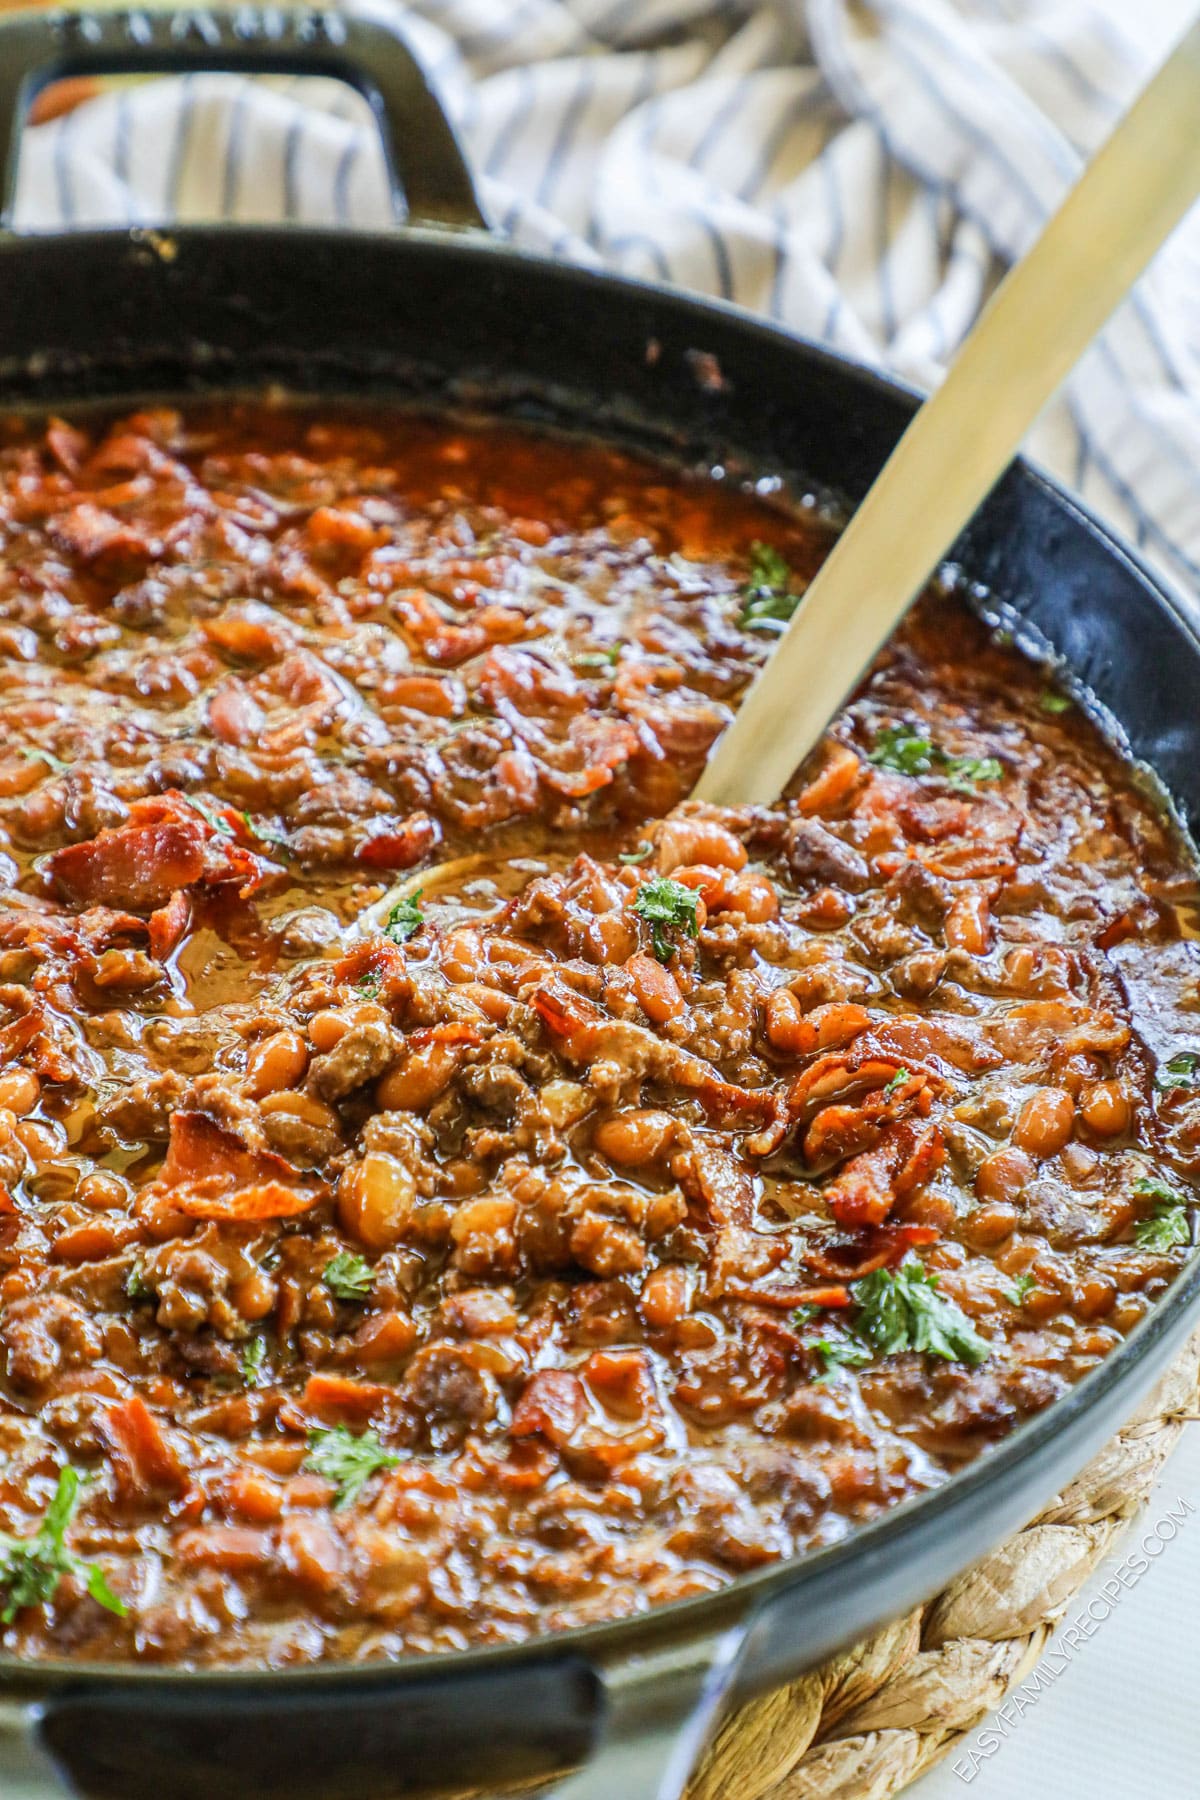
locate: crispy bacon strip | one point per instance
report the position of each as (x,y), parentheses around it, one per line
(585,1033)
(870,1185)
(165,847)
(210,1173)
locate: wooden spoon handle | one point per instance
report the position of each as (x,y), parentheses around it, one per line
(1041,319)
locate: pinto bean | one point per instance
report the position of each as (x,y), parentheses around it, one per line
(1044,1123)
(1003,1176)
(416,1082)
(375,1198)
(656,988)
(20,1091)
(665,1295)
(690,840)
(967,924)
(278,1062)
(1105,1108)
(634,1138)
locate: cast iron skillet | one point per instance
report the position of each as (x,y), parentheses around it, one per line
(440,311)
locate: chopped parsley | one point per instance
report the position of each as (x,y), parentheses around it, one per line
(347,1459)
(55,764)
(253,1357)
(266,834)
(902,751)
(906,752)
(598,659)
(768,598)
(1179,1072)
(643,853)
(31,1568)
(210,815)
(1168,1224)
(405,919)
(136,1285)
(896,1083)
(840,1353)
(1020,1290)
(964,773)
(1050,702)
(901,1309)
(349,1277)
(368,986)
(667,904)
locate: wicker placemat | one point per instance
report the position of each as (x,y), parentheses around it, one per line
(867,1723)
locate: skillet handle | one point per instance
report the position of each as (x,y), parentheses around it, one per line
(27,1771)
(427,172)
(646,1716)
(659,1711)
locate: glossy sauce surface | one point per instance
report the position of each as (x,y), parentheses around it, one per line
(452,1190)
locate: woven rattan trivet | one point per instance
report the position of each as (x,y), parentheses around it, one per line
(867,1723)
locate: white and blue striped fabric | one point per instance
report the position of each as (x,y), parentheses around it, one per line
(860,172)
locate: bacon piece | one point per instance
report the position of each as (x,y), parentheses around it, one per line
(399,843)
(210,1173)
(145,1461)
(234,1549)
(841,1131)
(336,1399)
(19,1034)
(168,924)
(378,960)
(90,533)
(878,1247)
(166,846)
(788,1298)
(870,1185)
(552,1405)
(585,1034)
(837,776)
(269,1200)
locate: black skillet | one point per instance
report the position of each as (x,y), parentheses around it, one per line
(441,312)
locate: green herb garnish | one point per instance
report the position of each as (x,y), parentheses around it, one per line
(906,752)
(252,1360)
(643,853)
(768,599)
(405,919)
(1168,1224)
(1179,1072)
(55,764)
(368,986)
(1050,702)
(964,773)
(1020,1290)
(665,903)
(349,1276)
(898,1080)
(210,815)
(840,1353)
(901,1309)
(598,659)
(266,834)
(347,1459)
(31,1568)
(902,751)
(136,1285)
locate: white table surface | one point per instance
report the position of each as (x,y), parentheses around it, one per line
(1119,1721)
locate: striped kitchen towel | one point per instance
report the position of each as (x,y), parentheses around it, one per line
(860,172)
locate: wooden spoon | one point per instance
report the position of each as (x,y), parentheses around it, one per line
(1041,319)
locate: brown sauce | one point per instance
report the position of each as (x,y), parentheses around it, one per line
(452,1188)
